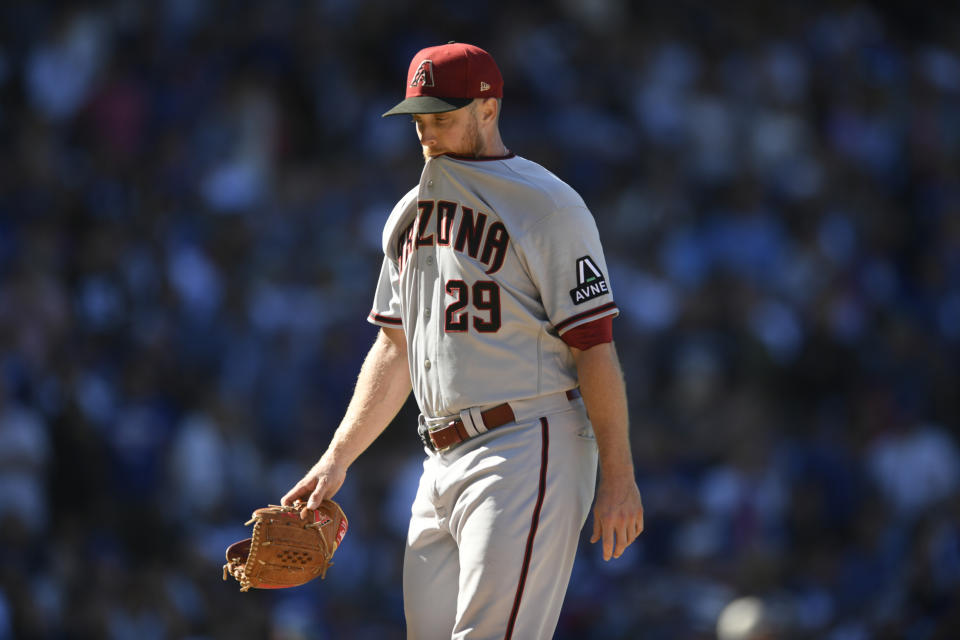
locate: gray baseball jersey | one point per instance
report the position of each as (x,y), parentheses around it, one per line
(487,263)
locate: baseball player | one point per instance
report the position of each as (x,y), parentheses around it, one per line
(495,309)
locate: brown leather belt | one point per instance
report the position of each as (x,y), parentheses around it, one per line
(455,433)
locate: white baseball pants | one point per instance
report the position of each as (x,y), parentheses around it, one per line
(494,530)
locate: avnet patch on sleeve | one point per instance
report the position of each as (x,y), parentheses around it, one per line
(590,281)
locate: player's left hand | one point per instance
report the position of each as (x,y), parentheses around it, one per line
(617,515)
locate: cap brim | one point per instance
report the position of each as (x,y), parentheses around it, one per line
(427,104)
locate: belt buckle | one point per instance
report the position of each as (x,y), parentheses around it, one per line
(424,434)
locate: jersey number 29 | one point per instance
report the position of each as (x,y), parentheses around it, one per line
(485,299)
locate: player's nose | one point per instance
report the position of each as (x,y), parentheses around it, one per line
(427,136)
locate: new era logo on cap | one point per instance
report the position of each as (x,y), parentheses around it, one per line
(449,77)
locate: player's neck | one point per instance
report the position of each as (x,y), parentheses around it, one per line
(493,147)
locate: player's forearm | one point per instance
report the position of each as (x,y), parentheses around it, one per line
(604,394)
(382,388)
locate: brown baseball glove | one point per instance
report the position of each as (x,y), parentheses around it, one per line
(289,547)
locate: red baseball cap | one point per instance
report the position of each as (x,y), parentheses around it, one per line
(448,77)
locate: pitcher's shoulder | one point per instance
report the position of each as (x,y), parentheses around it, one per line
(545,183)
(400,211)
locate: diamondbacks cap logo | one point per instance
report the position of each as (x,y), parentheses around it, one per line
(590,281)
(424,75)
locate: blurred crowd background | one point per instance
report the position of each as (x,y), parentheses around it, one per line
(191,199)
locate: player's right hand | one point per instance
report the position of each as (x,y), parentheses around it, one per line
(322,482)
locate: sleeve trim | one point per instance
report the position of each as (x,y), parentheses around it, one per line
(387,320)
(607,309)
(590,334)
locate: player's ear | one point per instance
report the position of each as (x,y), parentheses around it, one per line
(487,109)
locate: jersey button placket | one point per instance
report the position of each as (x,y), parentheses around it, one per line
(426,300)
(428,292)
